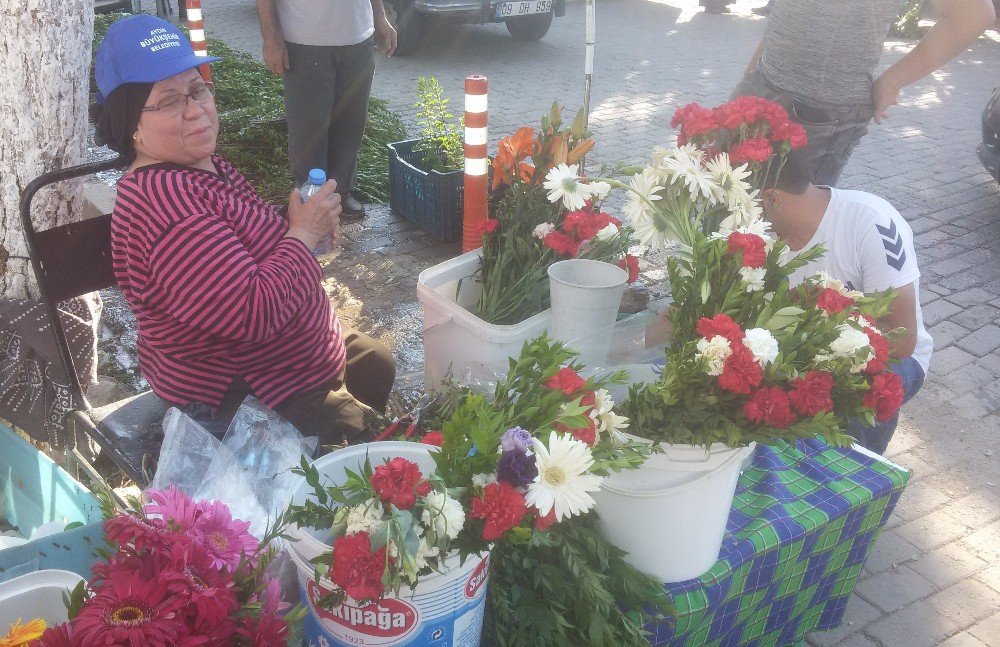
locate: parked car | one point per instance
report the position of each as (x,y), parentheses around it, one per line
(989,150)
(525,19)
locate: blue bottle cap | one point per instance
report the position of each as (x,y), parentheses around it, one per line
(317,176)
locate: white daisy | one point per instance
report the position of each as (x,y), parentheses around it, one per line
(543,230)
(685,165)
(640,214)
(753,277)
(563,183)
(762,344)
(714,351)
(443,515)
(562,483)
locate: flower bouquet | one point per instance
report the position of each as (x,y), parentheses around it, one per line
(514,477)
(751,359)
(182,573)
(527,232)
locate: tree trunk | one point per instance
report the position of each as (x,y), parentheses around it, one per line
(44,94)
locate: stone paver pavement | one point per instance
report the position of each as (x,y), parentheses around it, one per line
(933,577)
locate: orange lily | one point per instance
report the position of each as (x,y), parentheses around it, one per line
(578,151)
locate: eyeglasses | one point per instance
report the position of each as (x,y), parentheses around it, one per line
(177,103)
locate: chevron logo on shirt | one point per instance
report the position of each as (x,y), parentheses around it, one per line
(892,240)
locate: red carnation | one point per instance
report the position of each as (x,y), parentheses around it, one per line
(562,243)
(831,301)
(396,482)
(769,405)
(885,396)
(740,371)
(433,438)
(586,434)
(356,569)
(566,380)
(811,394)
(880,345)
(694,120)
(757,149)
(720,324)
(543,523)
(489,226)
(789,131)
(631,265)
(501,508)
(752,246)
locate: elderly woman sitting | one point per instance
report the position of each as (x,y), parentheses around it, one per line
(225,290)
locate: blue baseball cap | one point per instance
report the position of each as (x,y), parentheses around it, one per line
(143,49)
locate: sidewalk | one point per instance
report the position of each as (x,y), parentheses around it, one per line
(934,576)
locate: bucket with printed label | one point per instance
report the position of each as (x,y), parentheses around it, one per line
(445,609)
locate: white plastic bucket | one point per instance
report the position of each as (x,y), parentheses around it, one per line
(445,609)
(35,595)
(456,340)
(670,514)
(586,295)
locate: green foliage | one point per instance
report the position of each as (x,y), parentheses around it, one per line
(907,23)
(569,586)
(253,135)
(440,142)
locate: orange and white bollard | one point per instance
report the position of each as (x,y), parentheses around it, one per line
(196,29)
(476,183)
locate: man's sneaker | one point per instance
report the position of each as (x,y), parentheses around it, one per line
(352,208)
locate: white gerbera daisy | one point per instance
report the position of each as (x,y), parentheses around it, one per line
(365,517)
(640,214)
(685,166)
(443,515)
(734,190)
(762,344)
(562,483)
(563,183)
(714,351)
(543,230)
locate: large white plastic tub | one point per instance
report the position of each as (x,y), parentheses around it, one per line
(476,352)
(670,514)
(36,595)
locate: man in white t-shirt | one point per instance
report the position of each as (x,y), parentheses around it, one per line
(869,247)
(324,50)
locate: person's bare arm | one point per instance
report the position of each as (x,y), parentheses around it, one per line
(961,22)
(754,59)
(275,53)
(902,314)
(385,35)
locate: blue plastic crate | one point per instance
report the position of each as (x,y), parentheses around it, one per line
(430,199)
(34,491)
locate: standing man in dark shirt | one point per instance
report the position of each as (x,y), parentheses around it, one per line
(818,58)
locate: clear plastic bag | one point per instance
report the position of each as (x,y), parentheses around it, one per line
(250,470)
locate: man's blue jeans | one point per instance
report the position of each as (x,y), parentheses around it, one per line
(877,438)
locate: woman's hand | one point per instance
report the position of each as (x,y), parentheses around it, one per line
(319,216)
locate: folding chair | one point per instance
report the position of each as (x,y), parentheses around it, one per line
(69,261)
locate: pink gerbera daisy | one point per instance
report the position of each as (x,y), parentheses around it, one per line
(172,505)
(141,532)
(211,593)
(269,629)
(225,539)
(134,611)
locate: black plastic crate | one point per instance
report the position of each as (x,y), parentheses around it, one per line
(430,199)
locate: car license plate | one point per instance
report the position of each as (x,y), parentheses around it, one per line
(523,8)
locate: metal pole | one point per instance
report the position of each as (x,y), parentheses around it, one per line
(590,40)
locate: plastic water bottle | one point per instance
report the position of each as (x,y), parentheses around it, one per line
(317,178)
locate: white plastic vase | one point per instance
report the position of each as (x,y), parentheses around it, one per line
(670,514)
(445,608)
(585,296)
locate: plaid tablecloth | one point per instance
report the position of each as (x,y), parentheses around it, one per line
(801,526)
